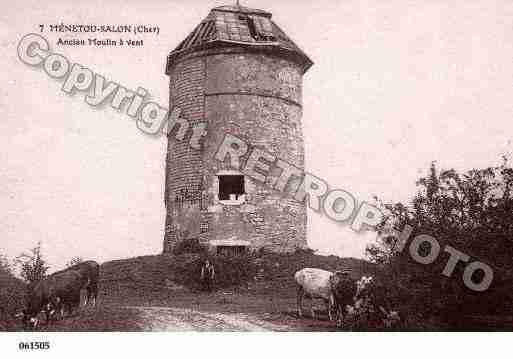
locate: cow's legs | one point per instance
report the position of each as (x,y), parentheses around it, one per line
(329,308)
(94,293)
(300,295)
(341,315)
(47,312)
(312,307)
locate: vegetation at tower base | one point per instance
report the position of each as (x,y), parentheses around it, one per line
(471,211)
(232,272)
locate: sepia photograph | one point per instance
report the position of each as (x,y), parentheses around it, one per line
(255,166)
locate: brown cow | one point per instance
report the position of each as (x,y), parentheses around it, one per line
(90,271)
(344,289)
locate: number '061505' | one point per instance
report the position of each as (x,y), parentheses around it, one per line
(34,345)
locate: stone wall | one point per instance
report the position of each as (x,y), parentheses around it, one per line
(184,165)
(256,97)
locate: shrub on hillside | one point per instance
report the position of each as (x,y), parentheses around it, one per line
(305,251)
(191,245)
(231,270)
(469,211)
(234,270)
(186,269)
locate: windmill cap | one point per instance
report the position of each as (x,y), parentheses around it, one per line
(239,26)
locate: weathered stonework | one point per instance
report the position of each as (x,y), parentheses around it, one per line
(255,94)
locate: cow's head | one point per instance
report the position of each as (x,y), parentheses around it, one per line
(364,286)
(29,318)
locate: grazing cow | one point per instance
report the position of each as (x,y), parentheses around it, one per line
(344,290)
(364,285)
(372,304)
(314,283)
(57,291)
(90,272)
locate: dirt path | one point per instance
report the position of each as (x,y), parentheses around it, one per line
(180,319)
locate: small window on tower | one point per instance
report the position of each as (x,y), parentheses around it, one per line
(231,187)
(260,28)
(252,28)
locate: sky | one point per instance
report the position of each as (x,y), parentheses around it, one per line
(395,85)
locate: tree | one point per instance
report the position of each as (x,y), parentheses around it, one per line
(33,266)
(12,292)
(474,209)
(471,211)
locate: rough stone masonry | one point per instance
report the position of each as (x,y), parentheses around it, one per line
(238,72)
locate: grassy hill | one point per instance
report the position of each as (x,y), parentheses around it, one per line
(170,270)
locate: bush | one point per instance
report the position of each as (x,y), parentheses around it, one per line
(305,251)
(234,270)
(12,294)
(186,269)
(191,245)
(230,270)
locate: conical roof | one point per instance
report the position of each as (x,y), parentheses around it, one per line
(239,26)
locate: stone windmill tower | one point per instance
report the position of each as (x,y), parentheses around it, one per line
(240,74)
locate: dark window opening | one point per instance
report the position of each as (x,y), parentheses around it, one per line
(230,184)
(259,28)
(252,28)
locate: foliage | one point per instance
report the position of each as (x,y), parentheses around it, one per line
(33,266)
(191,245)
(305,251)
(12,291)
(472,212)
(230,270)
(234,270)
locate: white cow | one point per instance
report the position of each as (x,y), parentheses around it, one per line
(314,283)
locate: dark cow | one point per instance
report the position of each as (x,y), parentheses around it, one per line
(344,289)
(57,291)
(373,305)
(90,271)
(60,291)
